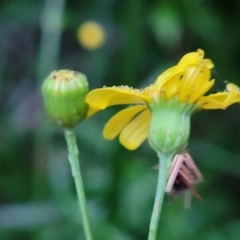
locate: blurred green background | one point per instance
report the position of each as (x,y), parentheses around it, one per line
(143,38)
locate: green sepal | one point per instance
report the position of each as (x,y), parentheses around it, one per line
(169,125)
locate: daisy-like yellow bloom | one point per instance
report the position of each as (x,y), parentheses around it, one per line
(91,35)
(162,110)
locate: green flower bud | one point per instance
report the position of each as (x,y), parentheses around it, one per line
(169,125)
(64,93)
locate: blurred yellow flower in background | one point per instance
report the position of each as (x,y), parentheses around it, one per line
(91,35)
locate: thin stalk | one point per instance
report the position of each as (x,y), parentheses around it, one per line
(76,173)
(164,165)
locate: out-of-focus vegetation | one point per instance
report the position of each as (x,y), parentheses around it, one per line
(37,195)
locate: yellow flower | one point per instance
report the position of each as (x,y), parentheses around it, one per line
(91,35)
(162,110)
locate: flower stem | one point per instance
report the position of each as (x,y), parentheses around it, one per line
(76,173)
(164,165)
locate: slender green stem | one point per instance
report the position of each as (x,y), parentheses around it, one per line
(76,172)
(164,165)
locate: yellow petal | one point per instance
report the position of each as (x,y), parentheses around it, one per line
(189,59)
(219,97)
(193,79)
(222,98)
(91,111)
(172,86)
(194,59)
(208,63)
(213,101)
(200,91)
(162,78)
(211,104)
(104,97)
(186,83)
(202,77)
(119,121)
(233,94)
(136,131)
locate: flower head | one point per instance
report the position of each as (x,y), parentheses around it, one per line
(162,110)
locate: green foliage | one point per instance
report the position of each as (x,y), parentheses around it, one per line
(37,195)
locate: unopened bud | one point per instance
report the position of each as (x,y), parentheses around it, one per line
(64,93)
